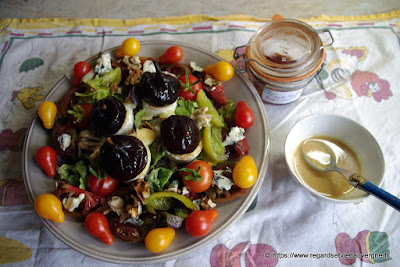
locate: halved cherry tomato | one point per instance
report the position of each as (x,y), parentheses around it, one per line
(81,115)
(244,116)
(200,222)
(47,112)
(49,207)
(46,157)
(80,69)
(222,71)
(197,176)
(245,172)
(129,47)
(242,147)
(172,55)
(97,225)
(218,94)
(102,186)
(190,86)
(159,239)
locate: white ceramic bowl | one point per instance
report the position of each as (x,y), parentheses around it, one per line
(352,134)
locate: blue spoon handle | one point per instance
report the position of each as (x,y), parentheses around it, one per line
(381,194)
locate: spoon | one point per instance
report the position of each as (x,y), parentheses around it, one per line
(322,156)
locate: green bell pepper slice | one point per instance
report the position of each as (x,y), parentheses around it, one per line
(158,200)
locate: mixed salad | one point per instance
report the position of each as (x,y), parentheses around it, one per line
(142,146)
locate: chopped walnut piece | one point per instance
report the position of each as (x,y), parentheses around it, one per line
(115,88)
(201,117)
(133,76)
(134,207)
(206,203)
(141,188)
(132,62)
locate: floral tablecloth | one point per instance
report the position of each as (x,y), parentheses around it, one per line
(287,226)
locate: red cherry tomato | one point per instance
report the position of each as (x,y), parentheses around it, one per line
(197,176)
(46,157)
(199,222)
(172,55)
(190,86)
(97,225)
(80,69)
(102,186)
(244,116)
(218,94)
(81,115)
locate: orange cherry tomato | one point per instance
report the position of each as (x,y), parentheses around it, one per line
(47,112)
(159,239)
(245,172)
(130,47)
(49,207)
(222,71)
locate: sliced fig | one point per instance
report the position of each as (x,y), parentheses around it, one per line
(179,134)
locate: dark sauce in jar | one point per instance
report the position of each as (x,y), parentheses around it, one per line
(280,59)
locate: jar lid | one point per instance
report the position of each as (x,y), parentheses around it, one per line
(285,48)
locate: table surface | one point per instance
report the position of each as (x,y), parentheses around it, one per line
(288,226)
(126,9)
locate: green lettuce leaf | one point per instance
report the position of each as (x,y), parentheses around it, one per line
(158,177)
(74,174)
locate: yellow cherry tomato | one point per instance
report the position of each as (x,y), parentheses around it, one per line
(159,239)
(47,113)
(222,71)
(129,47)
(245,172)
(49,207)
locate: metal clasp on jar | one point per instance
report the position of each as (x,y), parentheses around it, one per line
(330,35)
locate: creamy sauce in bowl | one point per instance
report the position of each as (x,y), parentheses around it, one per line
(330,184)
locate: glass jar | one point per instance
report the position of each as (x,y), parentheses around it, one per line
(285,55)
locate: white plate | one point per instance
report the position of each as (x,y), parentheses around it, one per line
(73,232)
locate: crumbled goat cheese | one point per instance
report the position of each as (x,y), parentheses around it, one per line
(235,135)
(211,204)
(148,66)
(195,66)
(64,140)
(71,203)
(185,191)
(117,205)
(221,181)
(201,118)
(103,64)
(173,187)
(213,83)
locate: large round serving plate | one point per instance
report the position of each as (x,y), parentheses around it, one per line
(73,232)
